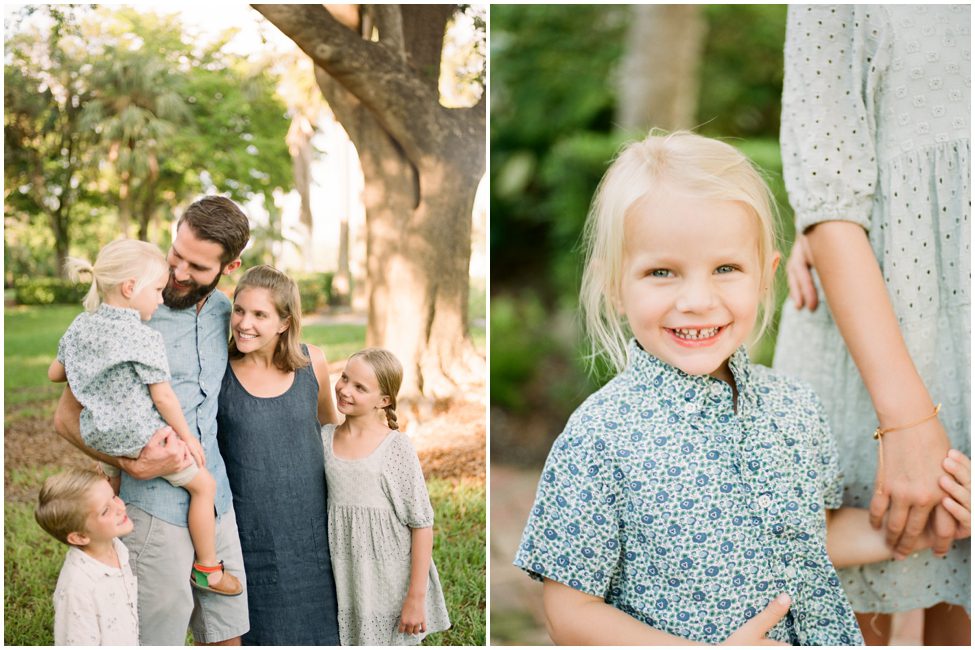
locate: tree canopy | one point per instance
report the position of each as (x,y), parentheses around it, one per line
(114,118)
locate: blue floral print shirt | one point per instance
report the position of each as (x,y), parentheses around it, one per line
(688,516)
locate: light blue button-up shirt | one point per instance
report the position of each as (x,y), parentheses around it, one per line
(196,345)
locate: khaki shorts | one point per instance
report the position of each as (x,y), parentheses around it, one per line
(162,556)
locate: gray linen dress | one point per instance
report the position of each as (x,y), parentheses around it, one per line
(373,502)
(876,130)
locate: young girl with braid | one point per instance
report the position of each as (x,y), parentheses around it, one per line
(380,521)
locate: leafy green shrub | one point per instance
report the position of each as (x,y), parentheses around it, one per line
(49,291)
(520,343)
(315,290)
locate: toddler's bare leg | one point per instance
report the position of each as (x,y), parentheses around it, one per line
(202,521)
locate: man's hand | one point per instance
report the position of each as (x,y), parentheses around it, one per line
(164,454)
(909,493)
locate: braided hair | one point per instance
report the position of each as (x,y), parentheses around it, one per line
(389,375)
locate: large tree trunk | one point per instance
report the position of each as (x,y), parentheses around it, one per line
(421,164)
(658,82)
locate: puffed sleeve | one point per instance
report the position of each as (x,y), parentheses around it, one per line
(147,353)
(76,618)
(829,112)
(572,534)
(402,481)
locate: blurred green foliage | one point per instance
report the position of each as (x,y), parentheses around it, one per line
(115,110)
(553,71)
(49,291)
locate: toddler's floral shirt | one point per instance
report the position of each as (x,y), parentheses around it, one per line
(110,356)
(688,516)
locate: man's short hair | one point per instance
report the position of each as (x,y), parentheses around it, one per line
(62,505)
(220,220)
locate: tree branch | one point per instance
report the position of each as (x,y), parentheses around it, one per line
(392,91)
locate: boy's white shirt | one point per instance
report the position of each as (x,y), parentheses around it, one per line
(96,604)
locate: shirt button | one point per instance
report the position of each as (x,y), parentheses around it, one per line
(790,572)
(689,407)
(765,501)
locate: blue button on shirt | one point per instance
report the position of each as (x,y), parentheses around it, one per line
(196,345)
(661,499)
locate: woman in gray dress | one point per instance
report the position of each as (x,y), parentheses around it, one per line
(876,157)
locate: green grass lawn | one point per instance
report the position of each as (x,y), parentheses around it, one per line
(32,559)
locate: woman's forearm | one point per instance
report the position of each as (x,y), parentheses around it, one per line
(858,300)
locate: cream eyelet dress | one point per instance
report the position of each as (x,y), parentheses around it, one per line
(373,502)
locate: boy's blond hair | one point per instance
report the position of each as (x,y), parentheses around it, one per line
(681,161)
(62,505)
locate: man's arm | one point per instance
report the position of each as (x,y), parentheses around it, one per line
(164,454)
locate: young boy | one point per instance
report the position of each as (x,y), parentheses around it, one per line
(95,599)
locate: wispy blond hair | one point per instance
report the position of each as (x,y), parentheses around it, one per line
(704,167)
(124,259)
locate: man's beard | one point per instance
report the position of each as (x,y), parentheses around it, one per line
(195,294)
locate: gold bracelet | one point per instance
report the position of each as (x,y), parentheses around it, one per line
(880,432)
(878,435)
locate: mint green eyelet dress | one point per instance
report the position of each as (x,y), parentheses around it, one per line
(876,130)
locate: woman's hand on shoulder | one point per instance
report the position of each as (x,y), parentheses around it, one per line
(327,414)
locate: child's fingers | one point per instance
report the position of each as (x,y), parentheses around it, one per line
(959,512)
(957,492)
(959,466)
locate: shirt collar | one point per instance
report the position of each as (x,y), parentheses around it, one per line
(95,569)
(646,367)
(118,313)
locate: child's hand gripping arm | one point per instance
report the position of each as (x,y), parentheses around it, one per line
(413,619)
(574,617)
(168,406)
(851,540)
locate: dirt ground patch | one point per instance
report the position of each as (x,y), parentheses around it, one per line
(450,444)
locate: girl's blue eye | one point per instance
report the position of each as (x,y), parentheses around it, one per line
(660,273)
(725,268)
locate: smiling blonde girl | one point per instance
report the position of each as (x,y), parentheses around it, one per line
(380,521)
